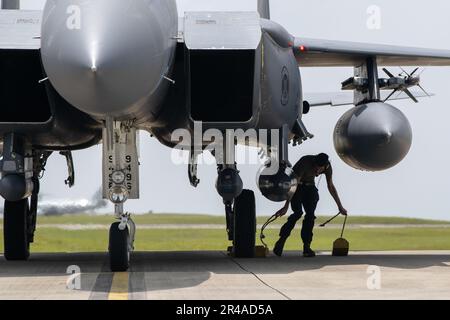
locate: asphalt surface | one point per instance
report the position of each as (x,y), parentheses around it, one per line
(214,275)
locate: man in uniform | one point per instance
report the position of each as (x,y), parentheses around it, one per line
(306,195)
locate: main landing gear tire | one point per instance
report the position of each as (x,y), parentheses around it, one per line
(244,225)
(15,230)
(119,248)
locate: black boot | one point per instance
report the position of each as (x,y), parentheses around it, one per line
(278,249)
(308,252)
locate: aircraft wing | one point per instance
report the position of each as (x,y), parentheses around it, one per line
(330,53)
(336,99)
(20,29)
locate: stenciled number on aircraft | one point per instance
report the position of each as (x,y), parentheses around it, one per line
(128,172)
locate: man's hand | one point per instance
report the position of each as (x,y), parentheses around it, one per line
(343,211)
(281,212)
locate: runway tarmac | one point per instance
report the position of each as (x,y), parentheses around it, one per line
(214,275)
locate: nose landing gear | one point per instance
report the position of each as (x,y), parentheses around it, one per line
(120,183)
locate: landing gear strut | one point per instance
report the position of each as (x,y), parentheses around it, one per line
(32,213)
(120,183)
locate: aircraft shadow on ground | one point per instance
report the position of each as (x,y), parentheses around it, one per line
(177,270)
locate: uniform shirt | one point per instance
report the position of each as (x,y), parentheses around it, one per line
(305,170)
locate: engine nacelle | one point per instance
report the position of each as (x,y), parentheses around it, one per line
(276,187)
(373,137)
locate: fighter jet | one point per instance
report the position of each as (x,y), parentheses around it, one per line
(84,72)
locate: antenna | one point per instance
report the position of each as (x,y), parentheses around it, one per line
(10,4)
(264,9)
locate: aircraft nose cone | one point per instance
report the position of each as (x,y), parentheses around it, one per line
(105,57)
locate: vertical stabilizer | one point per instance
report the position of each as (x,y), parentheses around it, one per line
(264,9)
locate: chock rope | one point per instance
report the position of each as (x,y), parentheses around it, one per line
(261,235)
(343,225)
(275,217)
(328,221)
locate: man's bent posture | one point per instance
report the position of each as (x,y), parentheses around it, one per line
(306,170)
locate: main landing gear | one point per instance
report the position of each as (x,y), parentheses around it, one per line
(240,211)
(275,180)
(240,208)
(20,169)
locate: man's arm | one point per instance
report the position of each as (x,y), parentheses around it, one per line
(285,209)
(298,170)
(333,191)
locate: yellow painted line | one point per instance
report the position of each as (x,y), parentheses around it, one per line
(119,286)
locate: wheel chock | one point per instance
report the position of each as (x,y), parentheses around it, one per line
(340,248)
(260,251)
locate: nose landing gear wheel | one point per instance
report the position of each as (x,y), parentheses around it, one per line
(15,230)
(244,225)
(119,248)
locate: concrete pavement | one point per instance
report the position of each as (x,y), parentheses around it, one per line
(214,275)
